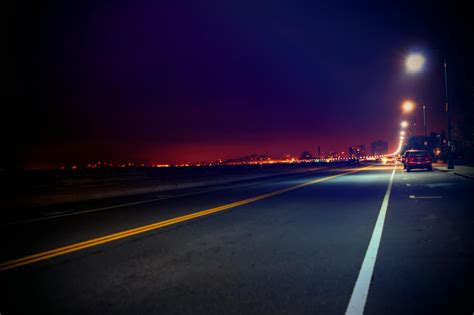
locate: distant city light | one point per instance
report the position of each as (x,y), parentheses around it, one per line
(402,132)
(414,62)
(404,124)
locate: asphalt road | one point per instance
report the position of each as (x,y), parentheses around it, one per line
(297,245)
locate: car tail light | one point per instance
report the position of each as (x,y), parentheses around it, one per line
(426,159)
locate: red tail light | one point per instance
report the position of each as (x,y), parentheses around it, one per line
(424,159)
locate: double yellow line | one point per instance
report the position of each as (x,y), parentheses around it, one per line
(116,236)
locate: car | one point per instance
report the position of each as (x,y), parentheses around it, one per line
(388,160)
(418,159)
(403,158)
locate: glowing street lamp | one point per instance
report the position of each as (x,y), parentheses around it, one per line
(404,124)
(402,133)
(414,62)
(408,106)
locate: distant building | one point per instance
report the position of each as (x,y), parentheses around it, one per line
(379,147)
(306,156)
(357,151)
(333,156)
(254,158)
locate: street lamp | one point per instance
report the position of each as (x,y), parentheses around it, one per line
(408,106)
(414,63)
(404,124)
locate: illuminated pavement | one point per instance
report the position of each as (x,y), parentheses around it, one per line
(293,245)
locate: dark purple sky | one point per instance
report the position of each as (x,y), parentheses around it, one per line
(173,81)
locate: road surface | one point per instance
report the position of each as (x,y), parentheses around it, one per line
(366,239)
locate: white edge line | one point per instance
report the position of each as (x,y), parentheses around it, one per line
(361,289)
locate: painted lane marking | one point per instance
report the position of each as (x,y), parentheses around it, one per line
(68,213)
(142,229)
(54,213)
(361,289)
(439,185)
(425,197)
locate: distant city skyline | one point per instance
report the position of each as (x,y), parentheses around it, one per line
(187,157)
(250,157)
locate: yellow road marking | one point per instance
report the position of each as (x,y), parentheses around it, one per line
(116,236)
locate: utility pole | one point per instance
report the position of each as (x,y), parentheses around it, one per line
(448,110)
(424,116)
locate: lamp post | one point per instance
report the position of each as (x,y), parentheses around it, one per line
(403,125)
(414,63)
(450,144)
(424,118)
(409,106)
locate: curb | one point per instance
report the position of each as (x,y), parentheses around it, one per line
(464,175)
(455,173)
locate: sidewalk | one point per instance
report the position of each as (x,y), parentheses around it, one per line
(461,170)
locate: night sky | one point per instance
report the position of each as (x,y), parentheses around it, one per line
(179,81)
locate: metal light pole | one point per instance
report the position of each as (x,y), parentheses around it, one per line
(448,110)
(424,116)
